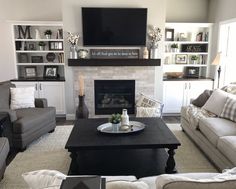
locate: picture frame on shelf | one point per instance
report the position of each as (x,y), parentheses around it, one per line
(31,46)
(37,59)
(23,58)
(50,71)
(169,34)
(192,72)
(30,71)
(181,58)
(55,45)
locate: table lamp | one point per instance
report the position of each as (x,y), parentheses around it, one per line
(216,62)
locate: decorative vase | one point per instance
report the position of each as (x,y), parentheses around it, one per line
(82,110)
(73,52)
(48,36)
(115,127)
(124,117)
(41,48)
(153,53)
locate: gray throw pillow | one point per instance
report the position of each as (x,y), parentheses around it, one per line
(202,98)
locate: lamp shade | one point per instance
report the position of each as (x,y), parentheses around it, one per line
(216,61)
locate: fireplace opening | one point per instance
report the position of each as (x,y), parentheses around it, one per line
(111,96)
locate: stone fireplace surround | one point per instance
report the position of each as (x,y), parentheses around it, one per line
(144,77)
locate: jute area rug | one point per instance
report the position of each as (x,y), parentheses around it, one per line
(48,153)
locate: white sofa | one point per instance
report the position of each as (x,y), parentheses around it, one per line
(214,135)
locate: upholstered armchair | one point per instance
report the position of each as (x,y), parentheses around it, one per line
(26,124)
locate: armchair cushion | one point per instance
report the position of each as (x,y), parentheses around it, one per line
(12,114)
(41,102)
(29,117)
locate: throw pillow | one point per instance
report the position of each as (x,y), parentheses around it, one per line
(126,185)
(202,98)
(43,179)
(148,112)
(22,98)
(145,101)
(216,102)
(229,110)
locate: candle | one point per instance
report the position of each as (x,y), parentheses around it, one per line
(81,85)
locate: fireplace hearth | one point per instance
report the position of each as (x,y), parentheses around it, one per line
(111,96)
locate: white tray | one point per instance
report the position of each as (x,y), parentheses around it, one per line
(135,126)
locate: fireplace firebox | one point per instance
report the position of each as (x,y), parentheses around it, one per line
(111,96)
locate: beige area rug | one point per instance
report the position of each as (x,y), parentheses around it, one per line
(48,153)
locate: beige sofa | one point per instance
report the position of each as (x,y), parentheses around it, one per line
(214,135)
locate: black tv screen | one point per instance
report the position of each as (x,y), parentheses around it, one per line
(114,26)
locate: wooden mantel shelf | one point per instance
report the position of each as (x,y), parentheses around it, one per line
(114,62)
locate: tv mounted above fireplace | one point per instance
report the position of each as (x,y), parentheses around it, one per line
(114,26)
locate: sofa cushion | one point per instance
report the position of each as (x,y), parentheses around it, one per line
(4,150)
(229,110)
(22,98)
(44,179)
(218,96)
(202,98)
(126,185)
(213,128)
(31,118)
(227,146)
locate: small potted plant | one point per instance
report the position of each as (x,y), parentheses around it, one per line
(48,34)
(41,46)
(115,120)
(194,59)
(174,47)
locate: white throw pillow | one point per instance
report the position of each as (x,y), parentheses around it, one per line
(216,102)
(22,98)
(145,101)
(126,185)
(44,179)
(229,110)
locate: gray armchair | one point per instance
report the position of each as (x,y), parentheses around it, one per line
(27,124)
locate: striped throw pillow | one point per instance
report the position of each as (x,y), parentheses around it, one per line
(229,110)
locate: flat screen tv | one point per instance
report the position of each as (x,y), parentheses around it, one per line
(114,26)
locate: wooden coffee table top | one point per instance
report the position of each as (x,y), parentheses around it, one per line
(85,136)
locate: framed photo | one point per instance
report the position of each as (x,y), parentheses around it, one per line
(31,46)
(50,71)
(36,59)
(23,58)
(169,34)
(30,71)
(192,72)
(55,45)
(181,59)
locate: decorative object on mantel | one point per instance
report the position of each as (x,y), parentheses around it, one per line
(73,40)
(82,110)
(145,53)
(154,34)
(83,53)
(114,53)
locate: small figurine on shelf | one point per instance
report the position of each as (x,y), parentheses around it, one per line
(42,46)
(73,40)
(48,34)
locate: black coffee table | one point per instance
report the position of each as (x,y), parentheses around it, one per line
(140,154)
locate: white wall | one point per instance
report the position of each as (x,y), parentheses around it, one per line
(46,10)
(187,10)
(219,10)
(72,22)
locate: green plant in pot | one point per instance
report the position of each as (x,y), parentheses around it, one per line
(48,34)
(41,45)
(115,119)
(194,59)
(174,47)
